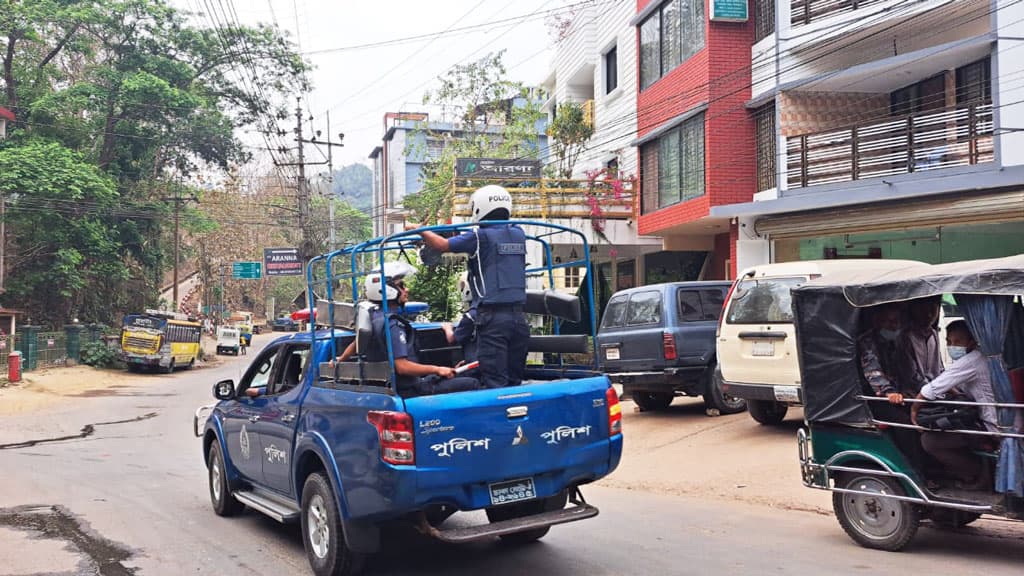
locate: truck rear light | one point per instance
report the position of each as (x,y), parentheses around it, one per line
(614,411)
(668,346)
(397,443)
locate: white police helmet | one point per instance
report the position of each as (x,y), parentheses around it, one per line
(464,289)
(488,199)
(375,286)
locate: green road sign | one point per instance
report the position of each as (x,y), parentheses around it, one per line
(247,270)
(729,11)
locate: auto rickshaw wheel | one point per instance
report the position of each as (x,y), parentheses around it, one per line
(875,521)
(652,401)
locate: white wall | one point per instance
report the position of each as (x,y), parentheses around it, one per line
(1007,87)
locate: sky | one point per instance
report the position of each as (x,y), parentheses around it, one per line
(356,84)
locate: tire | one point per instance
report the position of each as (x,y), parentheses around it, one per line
(325,546)
(715,398)
(224,504)
(510,511)
(191,363)
(954,519)
(767,412)
(134,368)
(170,367)
(652,401)
(879,523)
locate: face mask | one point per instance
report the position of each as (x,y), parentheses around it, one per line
(889,335)
(956,352)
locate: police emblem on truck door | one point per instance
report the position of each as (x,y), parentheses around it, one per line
(243,442)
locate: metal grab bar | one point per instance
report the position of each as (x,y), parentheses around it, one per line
(947,402)
(955,431)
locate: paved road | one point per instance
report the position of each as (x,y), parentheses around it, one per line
(128,495)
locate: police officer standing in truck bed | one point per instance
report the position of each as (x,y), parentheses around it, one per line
(497,275)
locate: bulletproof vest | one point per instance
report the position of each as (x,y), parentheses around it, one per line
(501,258)
(379,349)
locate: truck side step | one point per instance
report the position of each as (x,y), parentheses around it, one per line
(580,511)
(277,508)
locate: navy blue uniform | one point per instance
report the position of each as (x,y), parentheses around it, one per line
(497,276)
(465,335)
(403,345)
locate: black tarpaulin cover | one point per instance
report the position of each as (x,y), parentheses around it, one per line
(827,312)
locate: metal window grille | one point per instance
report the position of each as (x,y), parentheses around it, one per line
(764,19)
(764,119)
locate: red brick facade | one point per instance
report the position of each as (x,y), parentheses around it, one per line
(720,76)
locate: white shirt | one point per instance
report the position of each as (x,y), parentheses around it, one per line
(971,376)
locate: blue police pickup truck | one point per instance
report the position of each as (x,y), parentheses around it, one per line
(336,449)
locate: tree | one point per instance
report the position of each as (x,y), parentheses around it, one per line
(570,131)
(65,238)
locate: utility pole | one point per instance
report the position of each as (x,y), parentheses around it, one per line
(330,173)
(177,199)
(303,199)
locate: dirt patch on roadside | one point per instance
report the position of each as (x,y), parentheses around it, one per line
(684,452)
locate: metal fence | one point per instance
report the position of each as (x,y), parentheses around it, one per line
(45,349)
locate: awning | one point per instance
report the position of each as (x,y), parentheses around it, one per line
(948,210)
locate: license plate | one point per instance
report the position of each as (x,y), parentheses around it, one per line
(611,353)
(512,491)
(787,393)
(763,348)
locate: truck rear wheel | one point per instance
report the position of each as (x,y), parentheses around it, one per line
(510,511)
(322,538)
(715,397)
(767,412)
(652,401)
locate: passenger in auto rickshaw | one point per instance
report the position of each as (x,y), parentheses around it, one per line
(970,375)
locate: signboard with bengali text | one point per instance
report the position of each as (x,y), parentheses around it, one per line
(496,168)
(729,11)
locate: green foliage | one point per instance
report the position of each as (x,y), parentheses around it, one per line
(499,121)
(99,355)
(437,286)
(569,131)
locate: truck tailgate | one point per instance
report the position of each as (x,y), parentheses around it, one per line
(554,431)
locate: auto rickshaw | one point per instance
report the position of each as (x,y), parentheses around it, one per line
(880,492)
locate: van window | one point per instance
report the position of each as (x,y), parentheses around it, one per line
(763,301)
(700,305)
(615,313)
(644,308)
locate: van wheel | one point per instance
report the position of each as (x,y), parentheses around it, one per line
(652,401)
(170,367)
(326,550)
(191,363)
(875,521)
(510,511)
(767,412)
(714,397)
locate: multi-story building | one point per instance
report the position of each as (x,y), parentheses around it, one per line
(410,142)
(594,65)
(695,137)
(885,128)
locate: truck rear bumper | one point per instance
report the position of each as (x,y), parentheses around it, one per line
(790,395)
(682,379)
(579,510)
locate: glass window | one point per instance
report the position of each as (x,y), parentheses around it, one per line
(671,43)
(644,308)
(691,143)
(611,70)
(763,301)
(764,119)
(650,50)
(260,373)
(668,169)
(615,313)
(649,177)
(712,301)
(764,19)
(690,309)
(691,23)
(974,83)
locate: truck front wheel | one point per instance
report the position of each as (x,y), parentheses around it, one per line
(224,504)
(321,531)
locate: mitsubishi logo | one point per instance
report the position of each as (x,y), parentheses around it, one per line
(520,438)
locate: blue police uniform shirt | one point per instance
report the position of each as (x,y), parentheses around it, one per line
(403,344)
(498,252)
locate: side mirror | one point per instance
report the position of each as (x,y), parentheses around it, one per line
(224,390)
